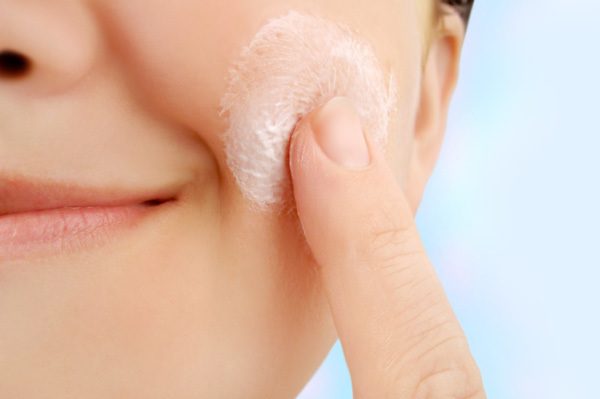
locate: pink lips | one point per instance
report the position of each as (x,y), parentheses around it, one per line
(56,217)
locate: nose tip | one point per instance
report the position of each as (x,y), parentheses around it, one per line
(13,64)
(46,46)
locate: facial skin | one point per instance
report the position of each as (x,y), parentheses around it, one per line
(205,297)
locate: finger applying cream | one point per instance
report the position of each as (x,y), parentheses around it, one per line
(294,64)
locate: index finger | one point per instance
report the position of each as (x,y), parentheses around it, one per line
(399,333)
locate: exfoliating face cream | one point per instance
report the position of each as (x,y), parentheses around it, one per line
(294,64)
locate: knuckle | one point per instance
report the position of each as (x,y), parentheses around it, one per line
(449,371)
(390,240)
(452,383)
(424,342)
(437,363)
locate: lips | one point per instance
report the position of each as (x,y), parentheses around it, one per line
(53,217)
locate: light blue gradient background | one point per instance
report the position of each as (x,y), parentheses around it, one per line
(511,215)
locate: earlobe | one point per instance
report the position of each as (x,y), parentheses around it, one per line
(440,74)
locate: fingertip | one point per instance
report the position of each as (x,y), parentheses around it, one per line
(331,135)
(339,133)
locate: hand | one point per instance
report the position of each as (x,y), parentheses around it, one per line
(400,336)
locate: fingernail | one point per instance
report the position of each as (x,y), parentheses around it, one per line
(337,128)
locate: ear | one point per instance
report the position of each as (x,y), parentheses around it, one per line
(440,74)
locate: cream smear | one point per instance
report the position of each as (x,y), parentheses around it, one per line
(294,64)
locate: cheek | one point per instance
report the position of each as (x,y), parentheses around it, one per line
(294,64)
(401,144)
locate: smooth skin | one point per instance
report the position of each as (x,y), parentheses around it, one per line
(206,297)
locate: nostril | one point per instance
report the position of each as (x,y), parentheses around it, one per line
(13,64)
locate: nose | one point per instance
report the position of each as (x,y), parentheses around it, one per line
(45,45)
(13,64)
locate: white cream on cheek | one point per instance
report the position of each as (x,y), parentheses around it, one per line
(294,64)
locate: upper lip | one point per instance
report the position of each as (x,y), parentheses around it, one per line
(19,195)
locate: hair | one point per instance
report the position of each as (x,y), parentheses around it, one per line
(463,7)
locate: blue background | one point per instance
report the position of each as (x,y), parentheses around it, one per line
(511,215)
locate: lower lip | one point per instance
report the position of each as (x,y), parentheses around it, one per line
(62,230)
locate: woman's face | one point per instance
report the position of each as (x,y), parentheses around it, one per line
(202,295)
